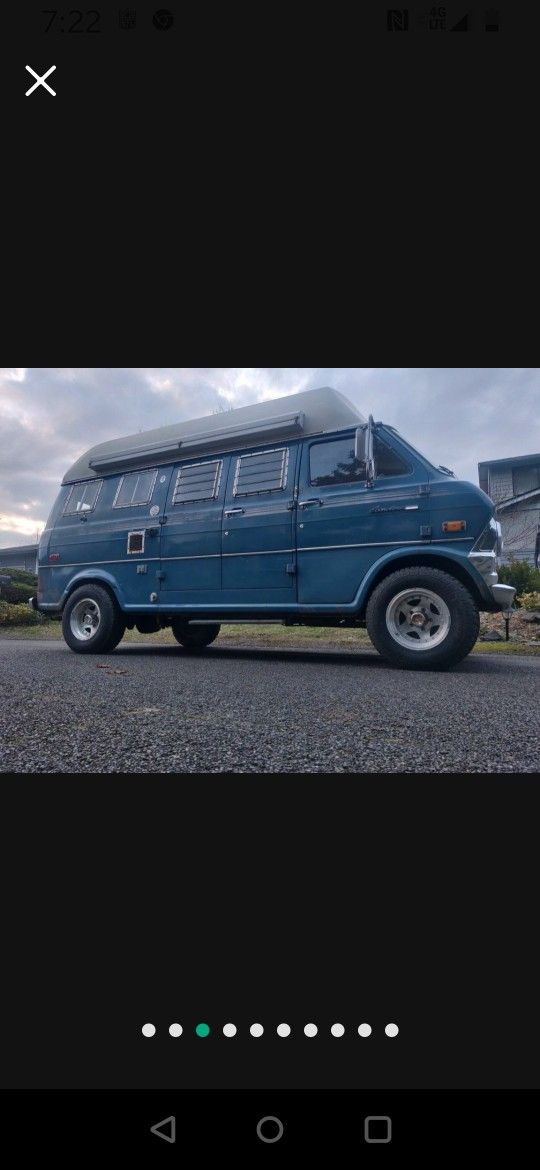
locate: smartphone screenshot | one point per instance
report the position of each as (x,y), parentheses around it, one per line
(269,636)
(269,753)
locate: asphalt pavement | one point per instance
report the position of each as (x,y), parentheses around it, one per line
(148,708)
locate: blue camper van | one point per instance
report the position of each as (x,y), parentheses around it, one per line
(295,510)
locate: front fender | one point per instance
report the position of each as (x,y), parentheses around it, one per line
(408,554)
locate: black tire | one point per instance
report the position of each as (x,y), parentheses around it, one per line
(102,613)
(451,619)
(195,637)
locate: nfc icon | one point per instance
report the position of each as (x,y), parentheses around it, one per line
(397,19)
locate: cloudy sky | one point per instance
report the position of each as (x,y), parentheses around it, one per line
(49,416)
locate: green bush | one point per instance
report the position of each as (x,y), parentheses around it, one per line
(530,600)
(21,576)
(18,615)
(522,576)
(16,593)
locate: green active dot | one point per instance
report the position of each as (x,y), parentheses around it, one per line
(202,1030)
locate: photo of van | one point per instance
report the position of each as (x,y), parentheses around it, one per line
(296,510)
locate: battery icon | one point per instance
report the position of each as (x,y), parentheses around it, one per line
(491,20)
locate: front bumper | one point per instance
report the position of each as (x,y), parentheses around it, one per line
(503,595)
(485,555)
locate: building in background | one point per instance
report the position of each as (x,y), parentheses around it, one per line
(22,557)
(514,487)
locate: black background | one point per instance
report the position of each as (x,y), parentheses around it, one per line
(309,899)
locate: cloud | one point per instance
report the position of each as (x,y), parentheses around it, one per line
(50,415)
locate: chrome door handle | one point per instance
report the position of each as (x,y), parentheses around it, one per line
(310,503)
(234,511)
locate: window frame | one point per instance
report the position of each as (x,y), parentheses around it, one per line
(216,487)
(262,491)
(81,512)
(139,503)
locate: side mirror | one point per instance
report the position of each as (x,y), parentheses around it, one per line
(360,444)
(363,449)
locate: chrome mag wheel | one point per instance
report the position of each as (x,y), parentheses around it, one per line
(85,619)
(418,619)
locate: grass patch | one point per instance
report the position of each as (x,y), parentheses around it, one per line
(238,635)
(245,635)
(507,648)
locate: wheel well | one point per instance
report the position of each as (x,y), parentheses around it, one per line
(91,581)
(440,562)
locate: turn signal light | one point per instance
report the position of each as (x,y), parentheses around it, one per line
(454,525)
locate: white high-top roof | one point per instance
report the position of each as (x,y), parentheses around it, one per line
(313,412)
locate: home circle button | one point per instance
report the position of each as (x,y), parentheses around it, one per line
(270,1129)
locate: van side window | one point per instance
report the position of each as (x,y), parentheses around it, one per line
(335,463)
(82,497)
(387,462)
(197,481)
(135,488)
(262,471)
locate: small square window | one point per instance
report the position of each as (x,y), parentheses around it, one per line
(135,488)
(82,497)
(135,542)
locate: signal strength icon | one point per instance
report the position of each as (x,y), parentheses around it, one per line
(462,25)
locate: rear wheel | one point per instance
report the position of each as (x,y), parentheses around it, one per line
(422,619)
(92,622)
(195,637)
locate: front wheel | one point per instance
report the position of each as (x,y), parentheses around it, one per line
(92,622)
(422,619)
(195,637)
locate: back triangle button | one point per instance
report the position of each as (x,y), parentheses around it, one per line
(165,1129)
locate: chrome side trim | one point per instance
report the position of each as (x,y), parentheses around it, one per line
(267,552)
(90,564)
(198,557)
(264,552)
(381,544)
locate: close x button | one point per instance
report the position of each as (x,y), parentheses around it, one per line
(41,81)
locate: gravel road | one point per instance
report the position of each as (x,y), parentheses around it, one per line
(157,709)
